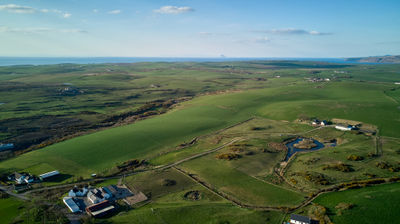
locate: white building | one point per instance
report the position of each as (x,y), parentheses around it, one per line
(75,192)
(8,146)
(48,174)
(344,128)
(97,195)
(71,204)
(299,219)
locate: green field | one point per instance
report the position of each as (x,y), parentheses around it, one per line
(378,204)
(206,101)
(9,209)
(99,151)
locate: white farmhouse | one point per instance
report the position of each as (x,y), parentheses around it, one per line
(75,192)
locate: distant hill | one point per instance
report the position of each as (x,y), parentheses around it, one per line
(377,59)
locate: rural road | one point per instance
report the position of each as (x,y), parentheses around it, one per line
(8,190)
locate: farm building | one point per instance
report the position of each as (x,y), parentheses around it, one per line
(100,209)
(323,123)
(98,195)
(75,192)
(48,174)
(112,190)
(344,128)
(299,219)
(4,147)
(70,203)
(21,178)
(315,122)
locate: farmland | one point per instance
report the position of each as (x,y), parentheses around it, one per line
(9,209)
(217,129)
(370,205)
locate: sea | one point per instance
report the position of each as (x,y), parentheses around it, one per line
(9,61)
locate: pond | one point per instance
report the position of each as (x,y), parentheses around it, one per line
(292,149)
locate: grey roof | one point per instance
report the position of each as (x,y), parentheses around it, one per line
(300,218)
(18,175)
(112,189)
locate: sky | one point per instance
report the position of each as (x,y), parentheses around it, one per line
(199,28)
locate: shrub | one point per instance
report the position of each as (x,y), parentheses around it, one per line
(314,177)
(228,156)
(311,161)
(371,155)
(338,167)
(354,158)
(343,206)
(168,182)
(388,166)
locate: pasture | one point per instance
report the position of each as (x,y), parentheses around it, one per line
(377,204)
(99,151)
(9,209)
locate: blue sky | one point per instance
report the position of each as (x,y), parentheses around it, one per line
(199,28)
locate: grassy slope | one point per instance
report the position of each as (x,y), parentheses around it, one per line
(96,152)
(9,209)
(224,176)
(170,206)
(378,204)
(211,213)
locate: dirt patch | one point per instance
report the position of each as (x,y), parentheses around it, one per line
(277,146)
(168,182)
(305,144)
(192,195)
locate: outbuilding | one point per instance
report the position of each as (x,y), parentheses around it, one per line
(100,209)
(299,219)
(71,204)
(344,128)
(48,174)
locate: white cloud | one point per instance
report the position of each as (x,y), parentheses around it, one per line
(262,40)
(57,11)
(292,31)
(258,40)
(67,15)
(5,29)
(17,8)
(206,33)
(173,9)
(117,11)
(95,10)
(12,8)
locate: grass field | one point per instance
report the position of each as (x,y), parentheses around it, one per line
(221,95)
(9,209)
(214,213)
(378,204)
(227,178)
(99,151)
(210,208)
(169,204)
(348,144)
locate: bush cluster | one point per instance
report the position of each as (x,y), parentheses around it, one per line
(387,166)
(339,167)
(228,156)
(355,158)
